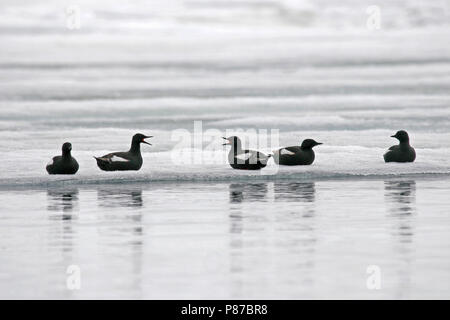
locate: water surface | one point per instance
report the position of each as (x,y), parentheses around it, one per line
(262,240)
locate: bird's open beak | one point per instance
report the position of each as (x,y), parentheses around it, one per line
(147,137)
(226,143)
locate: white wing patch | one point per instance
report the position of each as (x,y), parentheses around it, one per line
(243,156)
(251,157)
(119,159)
(287,152)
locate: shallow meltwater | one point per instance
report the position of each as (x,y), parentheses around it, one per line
(239,240)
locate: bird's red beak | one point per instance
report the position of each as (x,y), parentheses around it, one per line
(143,140)
(226,143)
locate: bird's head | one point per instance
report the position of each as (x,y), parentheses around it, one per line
(310,143)
(401,135)
(66,147)
(140,138)
(232,141)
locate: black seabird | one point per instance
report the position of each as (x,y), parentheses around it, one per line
(123,161)
(244,159)
(402,152)
(64,164)
(296,156)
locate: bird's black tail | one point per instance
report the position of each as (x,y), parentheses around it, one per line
(100,160)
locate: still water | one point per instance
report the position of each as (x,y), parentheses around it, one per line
(261,240)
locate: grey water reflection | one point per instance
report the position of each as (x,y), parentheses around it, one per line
(295,191)
(62,202)
(61,205)
(298,219)
(287,215)
(127,223)
(303,193)
(247,192)
(123,198)
(240,193)
(242,197)
(122,227)
(400,198)
(119,197)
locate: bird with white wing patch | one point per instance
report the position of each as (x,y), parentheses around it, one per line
(296,155)
(124,161)
(239,158)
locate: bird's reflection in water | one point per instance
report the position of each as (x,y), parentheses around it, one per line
(400,198)
(121,226)
(295,191)
(301,192)
(240,193)
(118,197)
(260,220)
(298,200)
(123,198)
(61,205)
(62,202)
(247,192)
